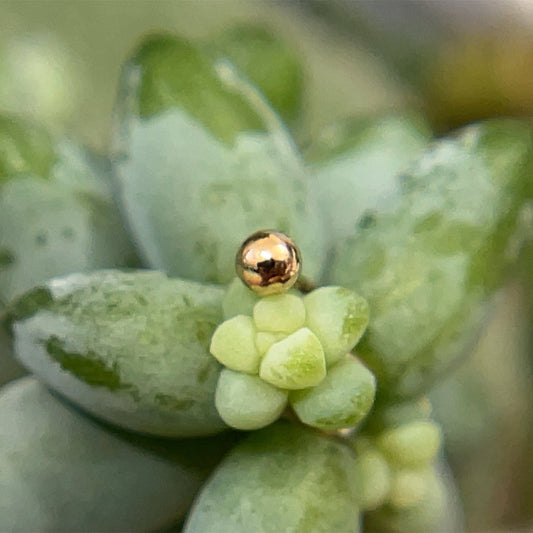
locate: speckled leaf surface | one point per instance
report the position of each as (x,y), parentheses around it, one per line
(283,478)
(429,263)
(56,210)
(356,166)
(203,161)
(60,471)
(130,348)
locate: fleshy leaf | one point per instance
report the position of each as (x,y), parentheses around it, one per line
(338,317)
(429,264)
(247,402)
(56,210)
(233,344)
(356,166)
(238,300)
(341,400)
(61,471)
(424,501)
(202,162)
(269,63)
(279,313)
(283,478)
(296,362)
(130,348)
(411,445)
(375,476)
(264,340)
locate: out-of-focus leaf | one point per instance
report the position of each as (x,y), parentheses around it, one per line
(60,471)
(429,263)
(56,210)
(39,78)
(422,502)
(24,149)
(202,162)
(283,478)
(356,164)
(269,63)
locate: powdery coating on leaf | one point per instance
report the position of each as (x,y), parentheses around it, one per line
(283,478)
(60,222)
(239,189)
(53,458)
(338,317)
(46,231)
(206,158)
(279,313)
(233,344)
(247,402)
(238,300)
(356,167)
(295,362)
(341,400)
(130,348)
(432,259)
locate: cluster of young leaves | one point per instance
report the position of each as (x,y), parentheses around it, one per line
(287,349)
(199,161)
(401,475)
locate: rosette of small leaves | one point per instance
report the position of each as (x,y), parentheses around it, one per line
(402,480)
(292,349)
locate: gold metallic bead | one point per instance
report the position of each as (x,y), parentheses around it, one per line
(268,262)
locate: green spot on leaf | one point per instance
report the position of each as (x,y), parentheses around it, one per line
(86,367)
(6,258)
(172,402)
(176,75)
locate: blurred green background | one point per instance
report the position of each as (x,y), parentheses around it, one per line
(454,61)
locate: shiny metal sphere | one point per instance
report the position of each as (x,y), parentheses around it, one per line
(268,262)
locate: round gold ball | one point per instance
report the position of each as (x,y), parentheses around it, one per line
(268,262)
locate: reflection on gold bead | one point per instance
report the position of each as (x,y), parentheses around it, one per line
(268,262)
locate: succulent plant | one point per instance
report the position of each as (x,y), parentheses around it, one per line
(293,350)
(403,242)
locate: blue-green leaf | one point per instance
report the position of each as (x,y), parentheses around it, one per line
(283,478)
(429,263)
(130,348)
(57,214)
(61,471)
(356,166)
(203,161)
